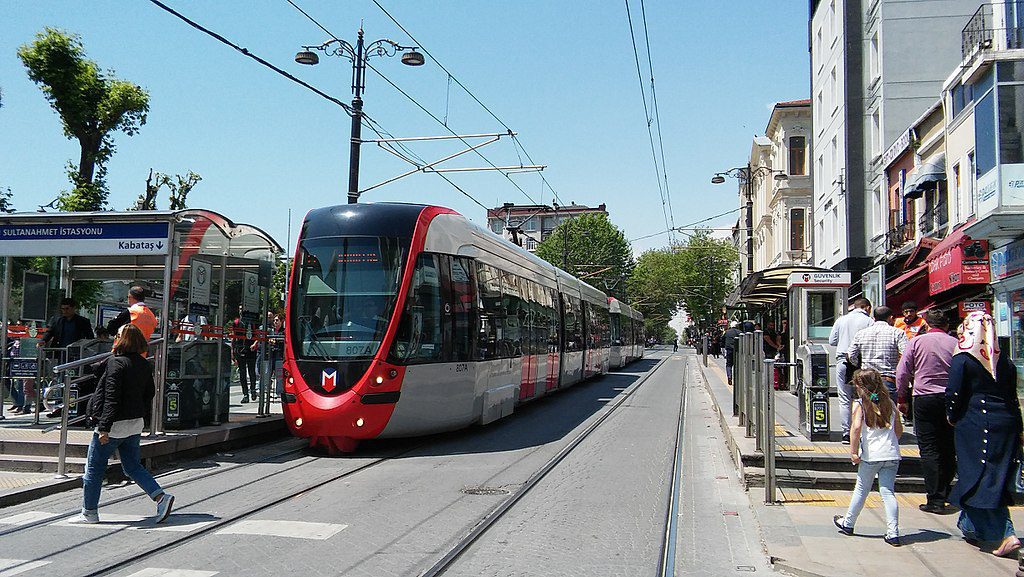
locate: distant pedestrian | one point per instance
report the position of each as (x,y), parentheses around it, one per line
(243,355)
(875,449)
(925,365)
(911,324)
(137,314)
(879,347)
(122,401)
(675,345)
(844,330)
(982,406)
(66,328)
(729,342)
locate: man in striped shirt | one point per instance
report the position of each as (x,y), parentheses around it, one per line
(879,347)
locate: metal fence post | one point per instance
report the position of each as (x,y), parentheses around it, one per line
(62,448)
(769,433)
(757,385)
(739,370)
(704,348)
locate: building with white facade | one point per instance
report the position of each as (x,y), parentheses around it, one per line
(530,224)
(876,65)
(782,207)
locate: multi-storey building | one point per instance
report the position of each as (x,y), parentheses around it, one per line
(530,224)
(875,66)
(782,206)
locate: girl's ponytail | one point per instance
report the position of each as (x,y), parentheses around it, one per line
(874,398)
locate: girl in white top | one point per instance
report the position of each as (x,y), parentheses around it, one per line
(875,449)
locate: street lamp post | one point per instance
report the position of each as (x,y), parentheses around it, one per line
(746,174)
(358,55)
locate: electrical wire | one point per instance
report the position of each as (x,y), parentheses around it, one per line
(421,107)
(452,78)
(647,116)
(246,52)
(681,228)
(657,116)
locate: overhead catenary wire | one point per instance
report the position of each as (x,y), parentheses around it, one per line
(685,226)
(452,78)
(657,116)
(423,108)
(246,52)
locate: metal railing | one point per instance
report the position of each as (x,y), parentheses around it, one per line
(898,235)
(70,378)
(983,32)
(754,401)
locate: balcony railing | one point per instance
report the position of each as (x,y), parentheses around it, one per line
(898,236)
(984,32)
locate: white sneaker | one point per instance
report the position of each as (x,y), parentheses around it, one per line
(86,517)
(163,507)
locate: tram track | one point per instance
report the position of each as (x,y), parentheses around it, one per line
(485,523)
(110,568)
(178,483)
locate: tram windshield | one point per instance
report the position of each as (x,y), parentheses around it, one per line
(345,293)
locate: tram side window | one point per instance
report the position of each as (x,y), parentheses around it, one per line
(511,341)
(573,324)
(463,306)
(419,338)
(552,312)
(488,282)
(615,323)
(603,326)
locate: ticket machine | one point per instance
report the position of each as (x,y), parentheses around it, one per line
(192,384)
(816,300)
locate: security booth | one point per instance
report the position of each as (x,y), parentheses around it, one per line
(816,300)
(192,264)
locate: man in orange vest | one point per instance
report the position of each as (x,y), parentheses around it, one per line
(137,314)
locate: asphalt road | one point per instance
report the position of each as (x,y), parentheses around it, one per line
(396,507)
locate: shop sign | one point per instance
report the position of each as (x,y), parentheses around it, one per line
(988,200)
(966,263)
(829,279)
(893,152)
(1012,180)
(968,307)
(1008,260)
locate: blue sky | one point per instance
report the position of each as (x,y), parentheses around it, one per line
(562,74)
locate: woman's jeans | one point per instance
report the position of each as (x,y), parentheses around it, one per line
(985,524)
(866,472)
(96,467)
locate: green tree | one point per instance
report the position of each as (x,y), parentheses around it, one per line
(592,249)
(91,104)
(179,188)
(709,267)
(6,203)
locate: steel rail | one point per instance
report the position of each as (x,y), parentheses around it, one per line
(488,520)
(667,566)
(178,483)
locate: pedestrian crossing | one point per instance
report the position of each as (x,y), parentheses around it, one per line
(12,567)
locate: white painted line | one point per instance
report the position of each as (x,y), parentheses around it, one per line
(26,518)
(161,572)
(272,528)
(107,521)
(170,525)
(11,567)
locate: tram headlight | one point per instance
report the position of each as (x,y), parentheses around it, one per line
(359,422)
(379,380)
(298,422)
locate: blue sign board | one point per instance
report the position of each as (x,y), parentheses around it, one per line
(84,239)
(1007,261)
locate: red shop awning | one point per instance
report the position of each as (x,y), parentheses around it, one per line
(957,260)
(912,285)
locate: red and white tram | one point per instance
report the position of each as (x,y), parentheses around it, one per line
(407,319)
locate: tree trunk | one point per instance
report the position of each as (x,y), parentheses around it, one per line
(87,161)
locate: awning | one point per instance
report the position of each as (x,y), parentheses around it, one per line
(925,176)
(958,260)
(766,287)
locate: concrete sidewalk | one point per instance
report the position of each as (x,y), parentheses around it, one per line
(801,539)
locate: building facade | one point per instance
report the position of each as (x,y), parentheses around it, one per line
(875,65)
(530,224)
(782,206)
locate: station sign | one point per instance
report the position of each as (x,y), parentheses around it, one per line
(84,239)
(822,279)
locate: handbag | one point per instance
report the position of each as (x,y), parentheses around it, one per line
(1015,481)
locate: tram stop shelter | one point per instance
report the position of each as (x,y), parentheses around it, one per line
(186,260)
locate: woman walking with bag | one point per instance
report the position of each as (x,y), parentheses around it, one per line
(875,448)
(982,406)
(122,400)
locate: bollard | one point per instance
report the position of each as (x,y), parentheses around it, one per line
(752,371)
(739,376)
(704,349)
(768,431)
(758,383)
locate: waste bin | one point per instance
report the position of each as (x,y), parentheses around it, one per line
(812,388)
(191,385)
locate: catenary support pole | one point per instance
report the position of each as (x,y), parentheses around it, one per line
(768,445)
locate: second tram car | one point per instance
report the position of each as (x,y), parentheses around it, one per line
(408,319)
